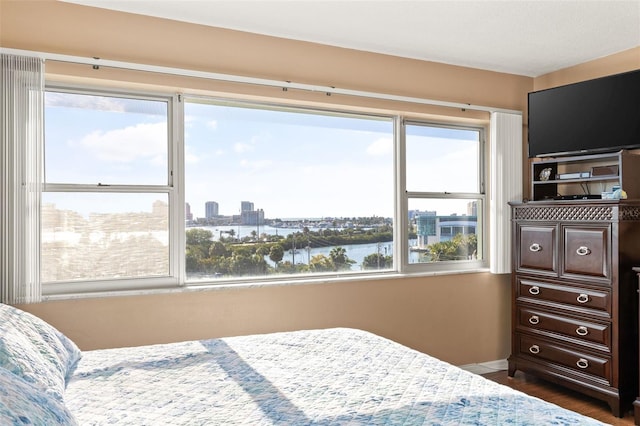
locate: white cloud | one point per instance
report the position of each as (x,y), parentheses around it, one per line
(190,159)
(256,165)
(382,146)
(99,103)
(241,148)
(212,124)
(145,140)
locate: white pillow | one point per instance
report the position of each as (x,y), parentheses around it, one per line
(35,351)
(22,403)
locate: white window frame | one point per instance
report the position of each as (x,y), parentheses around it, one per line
(275,106)
(171,188)
(405,196)
(175,190)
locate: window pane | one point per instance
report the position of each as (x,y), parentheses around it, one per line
(444,230)
(91,139)
(286,192)
(87,236)
(442,159)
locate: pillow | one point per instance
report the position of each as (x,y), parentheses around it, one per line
(21,403)
(36,351)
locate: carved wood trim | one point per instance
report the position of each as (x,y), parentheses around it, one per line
(630,213)
(564,213)
(576,213)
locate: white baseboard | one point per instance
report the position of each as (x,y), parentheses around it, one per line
(486,367)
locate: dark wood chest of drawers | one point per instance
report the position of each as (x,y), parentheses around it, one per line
(574,303)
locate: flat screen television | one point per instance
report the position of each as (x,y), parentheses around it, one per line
(600,115)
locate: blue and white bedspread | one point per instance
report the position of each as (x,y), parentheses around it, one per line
(317,377)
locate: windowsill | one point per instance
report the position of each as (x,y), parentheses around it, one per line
(191,287)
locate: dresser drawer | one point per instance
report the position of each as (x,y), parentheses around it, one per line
(564,356)
(588,301)
(586,251)
(537,249)
(579,330)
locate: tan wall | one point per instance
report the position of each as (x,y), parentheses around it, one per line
(627,60)
(459,318)
(65,28)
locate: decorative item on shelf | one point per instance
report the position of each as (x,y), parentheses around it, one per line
(576,175)
(607,195)
(611,170)
(616,193)
(545,174)
(619,193)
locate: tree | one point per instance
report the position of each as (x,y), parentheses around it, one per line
(340,259)
(199,237)
(244,263)
(321,263)
(198,243)
(218,249)
(460,247)
(276,253)
(377,261)
(263,250)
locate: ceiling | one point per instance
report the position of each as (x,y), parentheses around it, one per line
(524,37)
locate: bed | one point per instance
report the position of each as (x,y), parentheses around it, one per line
(335,376)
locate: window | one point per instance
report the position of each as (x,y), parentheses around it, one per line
(252,192)
(444,183)
(281,191)
(108,192)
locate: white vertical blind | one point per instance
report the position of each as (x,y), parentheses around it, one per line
(21,170)
(506,185)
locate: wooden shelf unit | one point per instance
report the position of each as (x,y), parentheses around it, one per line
(625,163)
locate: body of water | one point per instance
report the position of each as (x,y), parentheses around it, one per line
(355,252)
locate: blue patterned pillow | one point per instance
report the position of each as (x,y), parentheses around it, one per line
(24,404)
(36,351)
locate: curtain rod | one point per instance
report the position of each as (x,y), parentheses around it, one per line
(285,85)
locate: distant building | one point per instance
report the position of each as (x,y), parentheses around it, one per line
(472,208)
(246,206)
(413,214)
(187,212)
(254,217)
(160,208)
(434,229)
(211,209)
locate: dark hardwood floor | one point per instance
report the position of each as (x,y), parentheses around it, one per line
(560,396)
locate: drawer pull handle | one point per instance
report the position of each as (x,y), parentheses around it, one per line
(582,298)
(535,247)
(583,251)
(582,363)
(534,290)
(582,331)
(534,319)
(534,349)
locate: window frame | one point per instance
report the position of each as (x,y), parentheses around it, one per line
(405,196)
(175,189)
(292,108)
(174,155)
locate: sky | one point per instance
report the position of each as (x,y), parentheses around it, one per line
(290,164)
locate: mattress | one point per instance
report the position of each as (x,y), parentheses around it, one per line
(314,377)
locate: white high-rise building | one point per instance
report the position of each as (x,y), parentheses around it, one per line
(210,209)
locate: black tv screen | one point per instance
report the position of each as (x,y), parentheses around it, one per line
(600,115)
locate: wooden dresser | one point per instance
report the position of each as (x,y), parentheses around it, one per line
(636,403)
(574,302)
